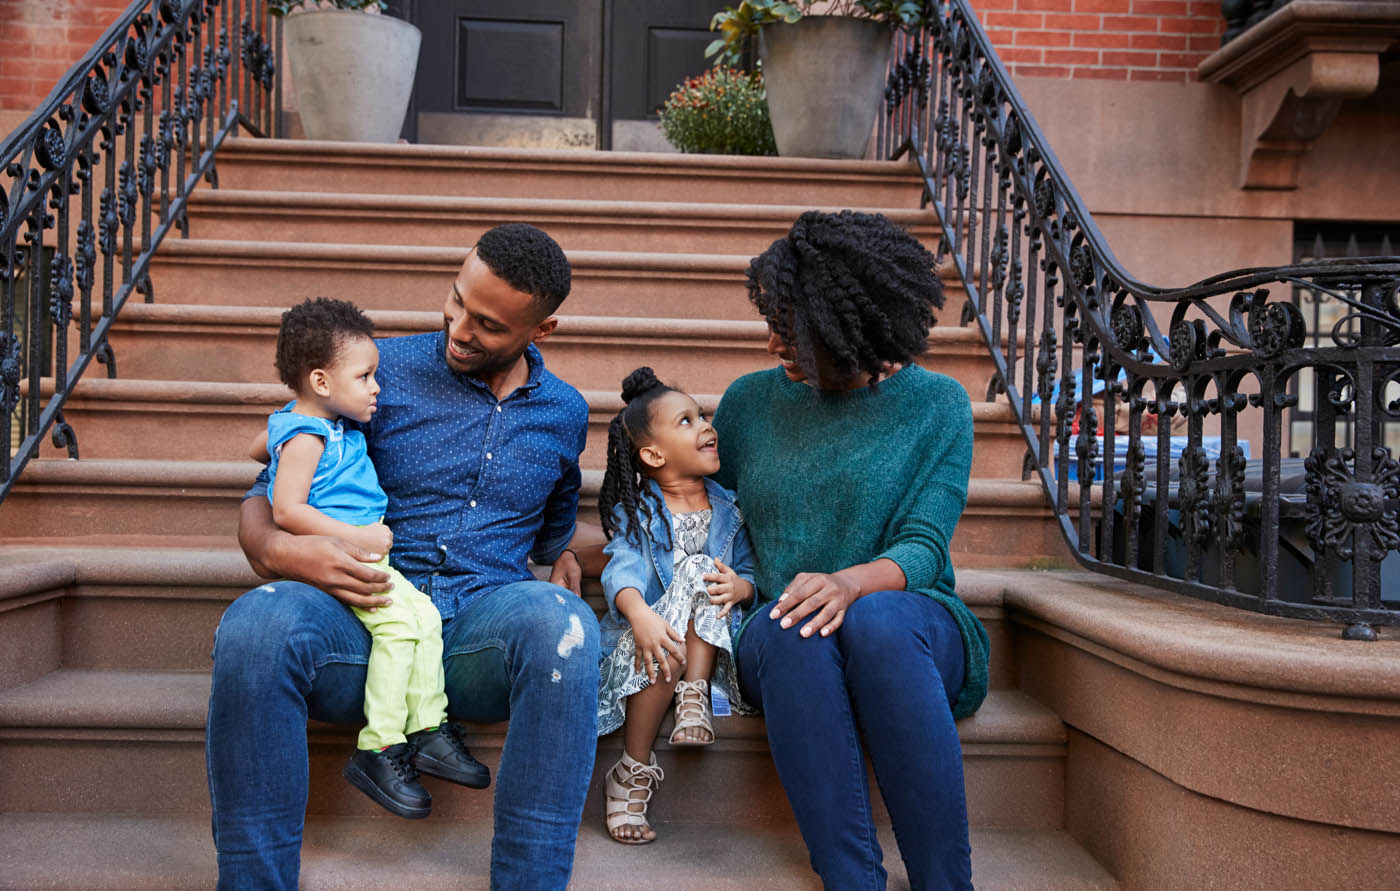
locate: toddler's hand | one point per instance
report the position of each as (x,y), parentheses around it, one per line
(727,588)
(656,639)
(375,538)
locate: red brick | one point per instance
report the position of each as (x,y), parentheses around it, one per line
(1203,43)
(1021,54)
(1157,41)
(1003,37)
(1043,38)
(1071,22)
(1163,7)
(1205,8)
(1152,74)
(1071,57)
(1046,5)
(1145,23)
(1013,19)
(1116,6)
(1040,71)
(1108,40)
(1192,26)
(984,5)
(1101,73)
(1132,60)
(1180,60)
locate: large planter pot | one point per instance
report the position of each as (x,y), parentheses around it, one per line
(825,77)
(353,73)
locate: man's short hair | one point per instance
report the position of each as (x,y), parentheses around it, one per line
(528,260)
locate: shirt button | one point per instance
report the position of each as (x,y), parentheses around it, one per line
(498,408)
(473,502)
(488,456)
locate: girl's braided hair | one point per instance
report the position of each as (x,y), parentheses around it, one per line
(624,482)
(851,288)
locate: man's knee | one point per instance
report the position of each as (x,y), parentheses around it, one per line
(271,620)
(554,622)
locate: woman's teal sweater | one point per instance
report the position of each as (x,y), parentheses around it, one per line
(830,479)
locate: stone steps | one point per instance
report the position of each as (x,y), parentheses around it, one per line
(1006,523)
(218,421)
(114,740)
(299,165)
(409,277)
(131,604)
(143,853)
(161,341)
(652,226)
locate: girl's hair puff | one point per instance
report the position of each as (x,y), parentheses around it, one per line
(624,481)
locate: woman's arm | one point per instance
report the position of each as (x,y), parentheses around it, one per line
(829,595)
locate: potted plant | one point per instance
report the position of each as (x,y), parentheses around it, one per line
(824,65)
(352,67)
(723,112)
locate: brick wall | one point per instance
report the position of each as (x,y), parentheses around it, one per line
(41,39)
(1159,40)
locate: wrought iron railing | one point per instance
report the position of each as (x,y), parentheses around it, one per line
(1153,417)
(97,177)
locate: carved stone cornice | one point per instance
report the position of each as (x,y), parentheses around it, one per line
(1292,72)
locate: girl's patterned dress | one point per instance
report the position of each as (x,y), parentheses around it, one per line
(685,600)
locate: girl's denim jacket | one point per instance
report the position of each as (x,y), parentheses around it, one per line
(650,568)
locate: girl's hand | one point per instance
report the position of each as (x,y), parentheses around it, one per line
(828,595)
(656,640)
(376,538)
(727,588)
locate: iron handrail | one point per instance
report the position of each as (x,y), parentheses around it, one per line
(1075,338)
(144,110)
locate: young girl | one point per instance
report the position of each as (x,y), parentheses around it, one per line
(321,482)
(679,570)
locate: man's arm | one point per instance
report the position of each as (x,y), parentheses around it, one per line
(337,567)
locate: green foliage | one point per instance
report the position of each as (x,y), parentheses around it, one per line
(282,7)
(738,24)
(722,112)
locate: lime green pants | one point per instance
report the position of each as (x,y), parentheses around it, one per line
(404,686)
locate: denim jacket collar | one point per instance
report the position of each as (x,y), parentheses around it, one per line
(725,522)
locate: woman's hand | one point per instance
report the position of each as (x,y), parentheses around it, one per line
(828,595)
(727,588)
(656,640)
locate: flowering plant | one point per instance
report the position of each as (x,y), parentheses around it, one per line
(736,24)
(723,111)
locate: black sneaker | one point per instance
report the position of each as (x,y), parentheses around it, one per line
(389,778)
(440,752)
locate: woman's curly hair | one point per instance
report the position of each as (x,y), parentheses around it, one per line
(849,292)
(312,333)
(624,481)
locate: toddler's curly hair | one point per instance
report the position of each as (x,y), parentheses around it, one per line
(853,288)
(312,333)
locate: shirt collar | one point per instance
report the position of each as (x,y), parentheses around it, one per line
(534,362)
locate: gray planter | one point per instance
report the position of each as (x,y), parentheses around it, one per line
(825,77)
(353,73)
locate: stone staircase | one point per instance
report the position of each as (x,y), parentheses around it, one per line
(115,569)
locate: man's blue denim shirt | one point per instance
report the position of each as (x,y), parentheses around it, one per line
(475,484)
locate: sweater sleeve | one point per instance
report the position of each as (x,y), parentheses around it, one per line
(921,540)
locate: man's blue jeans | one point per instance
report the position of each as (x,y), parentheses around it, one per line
(883,683)
(285,652)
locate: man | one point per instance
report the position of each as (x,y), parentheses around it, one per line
(477,446)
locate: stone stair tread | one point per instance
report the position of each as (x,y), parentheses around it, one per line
(720,212)
(115,852)
(178,700)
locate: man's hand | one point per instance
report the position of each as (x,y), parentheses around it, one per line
(727,588)
(567,573)
(342,569)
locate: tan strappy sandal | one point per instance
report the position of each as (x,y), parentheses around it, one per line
(626,807)
(693,710)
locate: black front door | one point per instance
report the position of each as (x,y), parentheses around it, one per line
(557,73)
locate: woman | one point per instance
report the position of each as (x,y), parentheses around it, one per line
(850,463)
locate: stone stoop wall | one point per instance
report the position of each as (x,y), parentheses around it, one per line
(1138,40)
